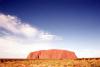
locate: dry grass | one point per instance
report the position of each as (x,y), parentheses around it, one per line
(50,63)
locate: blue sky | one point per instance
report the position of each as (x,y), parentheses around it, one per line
(64,24)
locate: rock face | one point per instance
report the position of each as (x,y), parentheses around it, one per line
(52,54)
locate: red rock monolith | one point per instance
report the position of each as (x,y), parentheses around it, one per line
(52,54)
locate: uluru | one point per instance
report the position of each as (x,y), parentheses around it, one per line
(52,54)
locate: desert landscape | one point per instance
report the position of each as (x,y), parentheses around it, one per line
(49,33)
(51,58)
(80,62)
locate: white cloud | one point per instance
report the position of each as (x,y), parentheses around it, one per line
(18,38)
(88,53)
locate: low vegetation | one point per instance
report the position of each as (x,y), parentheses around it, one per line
(50,63)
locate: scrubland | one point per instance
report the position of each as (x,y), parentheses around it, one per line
(50,63)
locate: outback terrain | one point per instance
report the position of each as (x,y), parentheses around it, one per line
(51,58)
(80,62)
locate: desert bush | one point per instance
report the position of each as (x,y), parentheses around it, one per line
(52,63)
